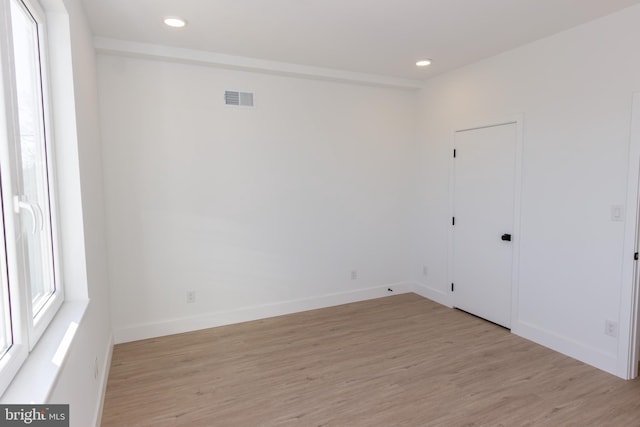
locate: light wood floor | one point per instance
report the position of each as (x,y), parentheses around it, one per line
(397,361)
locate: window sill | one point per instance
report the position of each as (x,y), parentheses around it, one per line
(38,375)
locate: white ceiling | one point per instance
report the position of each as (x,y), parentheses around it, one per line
(384,37)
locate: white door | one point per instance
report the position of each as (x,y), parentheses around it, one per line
(483,207)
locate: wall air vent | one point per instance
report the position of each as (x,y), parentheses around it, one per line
(239,99)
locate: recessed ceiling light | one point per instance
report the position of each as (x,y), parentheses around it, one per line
(175,22)
(423,63)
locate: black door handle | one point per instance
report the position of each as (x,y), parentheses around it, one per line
(506,237)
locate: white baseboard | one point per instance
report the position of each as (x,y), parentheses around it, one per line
(577,350)
(433,294)
(103,381)
(210,320)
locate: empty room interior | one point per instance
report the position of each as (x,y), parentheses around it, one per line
(338,213)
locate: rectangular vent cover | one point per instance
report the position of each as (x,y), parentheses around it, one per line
(240,99)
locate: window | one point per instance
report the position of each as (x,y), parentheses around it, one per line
(29,276)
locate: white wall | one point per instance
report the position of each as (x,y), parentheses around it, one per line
(85,272)
(267,210)
(278,204)
(575,91)
(259,211)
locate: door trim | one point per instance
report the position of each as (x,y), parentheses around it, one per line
(629,293)
(518,120)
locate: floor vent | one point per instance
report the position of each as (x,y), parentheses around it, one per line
(240,99)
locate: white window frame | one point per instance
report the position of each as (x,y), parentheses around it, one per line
(27,329)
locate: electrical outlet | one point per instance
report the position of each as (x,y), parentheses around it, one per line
(611,328)
(425,270)
(617,213)
(191,297)
(354,274)
(96,371)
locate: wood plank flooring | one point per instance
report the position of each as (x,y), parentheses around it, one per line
(397,361)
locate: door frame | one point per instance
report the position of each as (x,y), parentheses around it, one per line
(518,120)
(628,337)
